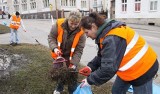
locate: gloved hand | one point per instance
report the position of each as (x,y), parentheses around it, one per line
(85,71)
(72,66)
(57,52)
(84,83)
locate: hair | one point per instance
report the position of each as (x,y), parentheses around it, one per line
(75,16)
(93,17)
(17,13)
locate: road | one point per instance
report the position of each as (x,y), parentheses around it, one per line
(39,30)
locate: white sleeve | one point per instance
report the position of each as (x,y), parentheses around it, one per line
(10,20)
(22,25)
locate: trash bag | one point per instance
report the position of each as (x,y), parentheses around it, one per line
(61,73)
(58,67)
(59,62)
(130,89)
(4,23)
(83,90)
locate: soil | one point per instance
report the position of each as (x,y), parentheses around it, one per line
(10,62)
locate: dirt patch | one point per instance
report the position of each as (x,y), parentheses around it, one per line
(10,62)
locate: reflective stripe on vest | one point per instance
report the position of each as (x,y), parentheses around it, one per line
(139,56)
(60,37)
(75,42)
(15,23)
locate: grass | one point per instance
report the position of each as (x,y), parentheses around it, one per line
(33,77)
(4,29)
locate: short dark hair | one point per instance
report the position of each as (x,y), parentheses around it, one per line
(17,13)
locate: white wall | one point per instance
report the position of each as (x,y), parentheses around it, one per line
(40,8)
(130,13)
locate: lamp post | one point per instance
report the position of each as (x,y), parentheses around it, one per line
(51,9)
(56,9)
(89,7)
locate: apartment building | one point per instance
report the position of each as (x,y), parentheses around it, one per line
(3,5)
(44,8)
(138,11)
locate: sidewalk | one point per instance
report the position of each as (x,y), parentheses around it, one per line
(36,30)
(145,27)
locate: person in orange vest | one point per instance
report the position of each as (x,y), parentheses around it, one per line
(67,39)
(123,52)
(15,23)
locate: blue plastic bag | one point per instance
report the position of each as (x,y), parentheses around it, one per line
(4,23)
(83,90)
(156,89)
(130,89)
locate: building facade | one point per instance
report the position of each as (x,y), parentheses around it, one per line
(45,8)
(3,5)
(138,11)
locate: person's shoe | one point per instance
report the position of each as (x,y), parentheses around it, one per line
(56,92)
(16,43)
(12,44)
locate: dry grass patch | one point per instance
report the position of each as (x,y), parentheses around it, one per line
(32,75)
(4,29)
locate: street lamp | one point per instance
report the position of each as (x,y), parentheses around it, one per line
(56,9)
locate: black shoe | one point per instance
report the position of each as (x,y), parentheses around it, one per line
(12,43)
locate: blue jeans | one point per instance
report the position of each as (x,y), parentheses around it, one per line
(14,36)
(121,87)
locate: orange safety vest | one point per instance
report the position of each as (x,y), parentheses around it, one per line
(139,56)
(15,23)
(59,39)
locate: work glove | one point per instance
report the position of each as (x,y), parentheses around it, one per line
(57,52)
(72,66)
(86,71)
(84,83)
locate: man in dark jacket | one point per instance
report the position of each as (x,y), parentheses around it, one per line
(121,51)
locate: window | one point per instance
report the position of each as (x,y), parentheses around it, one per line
(4,8)
(72,2)
(15,2)
(32,4)
(46,3)
(24,5)
(64,2)
(124,5)
(95,2)
(153,5)
(16,7)
(137,5)
(83,4)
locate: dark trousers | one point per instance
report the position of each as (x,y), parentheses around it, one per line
(121,87)
(71,86)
